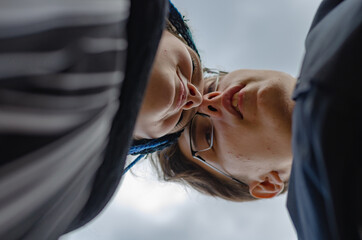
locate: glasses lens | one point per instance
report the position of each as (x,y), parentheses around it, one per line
(201,133)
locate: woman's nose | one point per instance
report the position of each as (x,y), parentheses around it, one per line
(194,98)
(211,104)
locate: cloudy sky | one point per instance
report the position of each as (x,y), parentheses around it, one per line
(230,34)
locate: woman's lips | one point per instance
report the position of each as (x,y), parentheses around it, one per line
(182,95)
(227,100)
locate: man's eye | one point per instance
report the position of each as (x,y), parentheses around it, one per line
(208,137)
(211,88)
(210,85)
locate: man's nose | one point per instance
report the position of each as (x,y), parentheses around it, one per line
(211,104)
(194,98)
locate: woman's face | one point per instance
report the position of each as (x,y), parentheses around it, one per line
(173,92)
(251,113)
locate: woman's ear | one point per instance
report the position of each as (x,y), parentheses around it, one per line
(269,187)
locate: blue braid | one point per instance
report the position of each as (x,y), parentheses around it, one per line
(133,163)
(145,146)
(179,23)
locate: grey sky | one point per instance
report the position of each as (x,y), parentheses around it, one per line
(250,33)
(230,34)
(147,209)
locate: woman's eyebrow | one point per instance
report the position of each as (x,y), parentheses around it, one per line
(193,61)
(196,65)
(181,117)
(186,118)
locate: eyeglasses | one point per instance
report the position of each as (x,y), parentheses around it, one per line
(202,130)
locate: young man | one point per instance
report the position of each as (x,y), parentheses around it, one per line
(324,198)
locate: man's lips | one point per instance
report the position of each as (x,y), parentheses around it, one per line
(228,97)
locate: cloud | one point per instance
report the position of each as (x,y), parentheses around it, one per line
(181,214)
(250,34)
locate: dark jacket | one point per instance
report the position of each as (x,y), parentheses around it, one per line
(72,77)
(324,198)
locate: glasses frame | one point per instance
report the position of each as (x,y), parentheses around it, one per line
(193,152)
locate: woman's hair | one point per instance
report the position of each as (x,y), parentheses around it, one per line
(173,166)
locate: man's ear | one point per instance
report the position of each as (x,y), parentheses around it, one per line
(270,187)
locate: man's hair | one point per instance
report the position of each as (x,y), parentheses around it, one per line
(173,166)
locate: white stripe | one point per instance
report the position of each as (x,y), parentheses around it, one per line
(22,17)
(99,45)
(21,120)
(74,103)
(78,81)
(20,64)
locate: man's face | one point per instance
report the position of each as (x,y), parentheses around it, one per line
(251,114)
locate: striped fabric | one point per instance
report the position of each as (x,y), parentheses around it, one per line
(62,67)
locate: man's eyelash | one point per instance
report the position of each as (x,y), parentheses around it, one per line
(211,87)
(207,137)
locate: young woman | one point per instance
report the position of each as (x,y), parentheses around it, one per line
(174,89)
